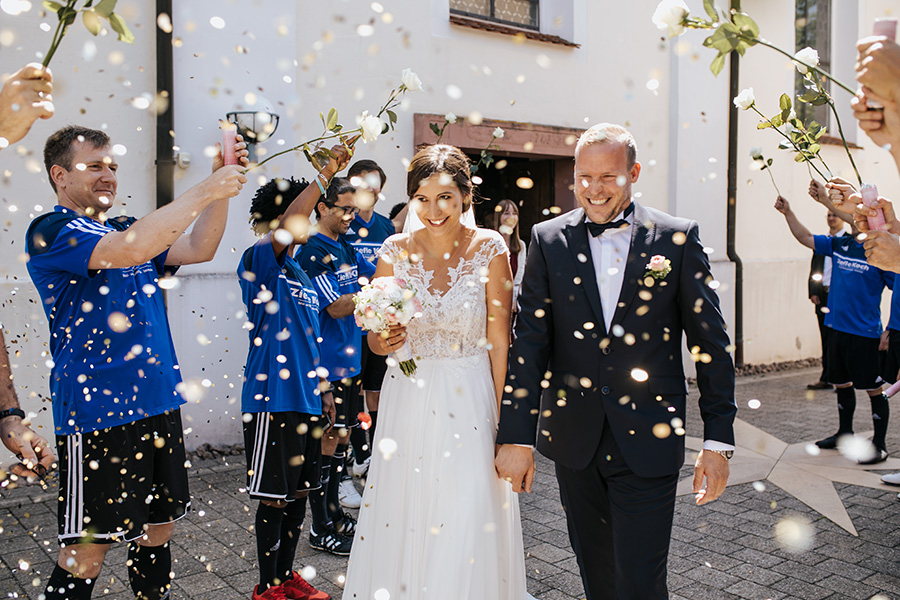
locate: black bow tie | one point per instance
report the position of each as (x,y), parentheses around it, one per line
(597,228)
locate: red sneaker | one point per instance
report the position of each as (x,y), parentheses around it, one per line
(276,592)
(300,589)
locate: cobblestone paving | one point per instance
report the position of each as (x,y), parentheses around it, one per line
(725,550)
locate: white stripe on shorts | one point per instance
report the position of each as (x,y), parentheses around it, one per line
(74,517)
(259,450)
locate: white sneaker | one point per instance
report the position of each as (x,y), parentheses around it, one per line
(891,478)
(348,495)
(361,469)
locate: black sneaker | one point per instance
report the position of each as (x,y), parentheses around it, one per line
(347,525)
(829,443)
(330,541)
(880,456)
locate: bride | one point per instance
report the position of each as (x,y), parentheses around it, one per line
(436,521)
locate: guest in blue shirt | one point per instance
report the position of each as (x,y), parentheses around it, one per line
(281,400)
(335,268)
(115,380)
(854,316)
(367,233)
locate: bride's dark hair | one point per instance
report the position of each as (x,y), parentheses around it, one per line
(441,158)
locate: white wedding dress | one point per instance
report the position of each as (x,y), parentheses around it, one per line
(436,522)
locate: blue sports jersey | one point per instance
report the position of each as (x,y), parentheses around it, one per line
(894,321)
(335,268)
(113,358)
(854,298)
(283,307)
(367,238)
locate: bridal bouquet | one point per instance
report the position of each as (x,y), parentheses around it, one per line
(384,302)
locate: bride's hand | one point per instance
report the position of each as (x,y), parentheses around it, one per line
(387,341)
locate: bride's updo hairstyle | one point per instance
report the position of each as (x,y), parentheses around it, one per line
(437,159)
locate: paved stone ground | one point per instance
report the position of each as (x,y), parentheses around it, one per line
(725,550)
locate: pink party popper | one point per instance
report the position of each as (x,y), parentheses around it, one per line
(229,133)
(870,200)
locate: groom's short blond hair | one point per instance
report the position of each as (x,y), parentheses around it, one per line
(602,133)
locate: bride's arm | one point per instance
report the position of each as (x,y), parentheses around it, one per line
(498,296)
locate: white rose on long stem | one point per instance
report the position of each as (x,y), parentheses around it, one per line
(370,125)
(498,133)
(808,55)
(411,81)
(671,14)
(745,99)
(450,118)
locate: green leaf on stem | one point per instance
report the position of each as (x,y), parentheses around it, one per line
(769,163)
(777,121)
(718,63)
(710,8)
(53,7)
(814,148)
(747,26)
(119,26)
(785,145)
(799,157)
(764,125)
(91,21)
(331,120)
(435,129)
(392,116)
(105,8)
(784,103)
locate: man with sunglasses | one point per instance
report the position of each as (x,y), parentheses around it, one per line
(335,267)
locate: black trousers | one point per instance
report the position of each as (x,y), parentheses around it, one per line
(619,525)
(823,333)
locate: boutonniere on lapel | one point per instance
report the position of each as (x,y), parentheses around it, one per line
(658,267)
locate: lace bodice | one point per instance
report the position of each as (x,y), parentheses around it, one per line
(453,324)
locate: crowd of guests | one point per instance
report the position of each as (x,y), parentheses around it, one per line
(310,381)
(855,267)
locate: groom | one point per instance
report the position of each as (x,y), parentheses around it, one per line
(595,372)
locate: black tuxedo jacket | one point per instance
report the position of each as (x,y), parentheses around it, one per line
(567,374)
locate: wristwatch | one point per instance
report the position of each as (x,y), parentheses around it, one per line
(726,453)
(12,412)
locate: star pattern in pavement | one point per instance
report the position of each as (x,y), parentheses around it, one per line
(810,479)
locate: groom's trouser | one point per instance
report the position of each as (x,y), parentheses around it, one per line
(619,525)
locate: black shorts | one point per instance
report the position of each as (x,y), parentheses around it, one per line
(853,359)
(283,454)
(115,481)
(374,366)
(348,401)
(892,357)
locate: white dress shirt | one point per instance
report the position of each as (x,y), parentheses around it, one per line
(609,253)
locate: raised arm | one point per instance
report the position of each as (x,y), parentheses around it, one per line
(304,204)
(798,230)
(155,233)
(200,244)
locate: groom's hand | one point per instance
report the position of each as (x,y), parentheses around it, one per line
(714,467)
(515,464)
